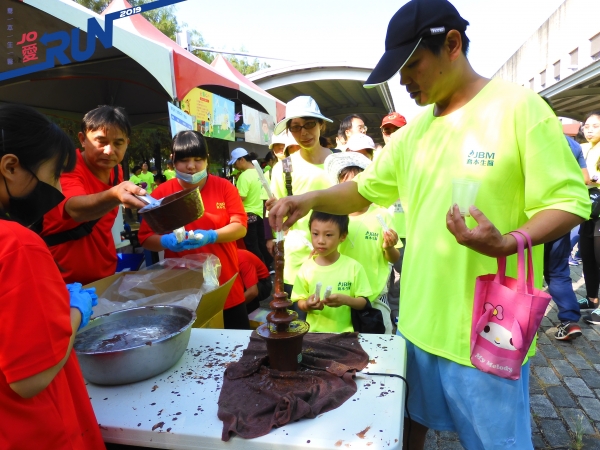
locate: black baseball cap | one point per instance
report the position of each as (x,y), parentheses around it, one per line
(414,21)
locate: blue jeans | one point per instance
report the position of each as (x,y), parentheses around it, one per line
(558,278)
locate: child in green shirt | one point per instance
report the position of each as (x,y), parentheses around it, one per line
(369,241)
(350,288)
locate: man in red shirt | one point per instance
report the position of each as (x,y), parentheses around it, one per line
(79,230)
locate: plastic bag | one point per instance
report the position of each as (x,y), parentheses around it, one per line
(148,287)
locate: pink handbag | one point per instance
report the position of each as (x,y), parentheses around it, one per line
(506,315)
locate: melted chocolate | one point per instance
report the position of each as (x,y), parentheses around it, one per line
(283,332)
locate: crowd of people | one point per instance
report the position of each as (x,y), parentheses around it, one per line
(355,216)
(445,252)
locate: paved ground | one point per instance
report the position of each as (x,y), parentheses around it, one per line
(564,388)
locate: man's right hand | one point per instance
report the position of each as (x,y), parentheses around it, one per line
(294,208)
(126,192)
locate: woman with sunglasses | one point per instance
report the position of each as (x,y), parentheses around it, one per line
(43,399)
(305,123)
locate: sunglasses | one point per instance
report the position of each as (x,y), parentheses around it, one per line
(307,126)
(388,130)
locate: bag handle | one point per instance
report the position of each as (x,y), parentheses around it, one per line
(501,273)
(529,248)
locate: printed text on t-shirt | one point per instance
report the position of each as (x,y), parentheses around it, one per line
(480,158)
(371,235)
(344,285)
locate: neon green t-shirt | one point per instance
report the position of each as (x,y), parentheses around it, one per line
(507,138)
(135,179)
(169,174)
(397,212)
(306,177)
(248,185)
(263,193)
(345,276)
(364,244)
(149,179)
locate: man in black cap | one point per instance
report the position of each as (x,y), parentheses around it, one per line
(490,131)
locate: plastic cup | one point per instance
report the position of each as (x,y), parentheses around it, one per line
(464,193)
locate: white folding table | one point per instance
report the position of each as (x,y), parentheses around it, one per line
(178,408)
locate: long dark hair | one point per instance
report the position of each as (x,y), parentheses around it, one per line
(188,144)
(34,139)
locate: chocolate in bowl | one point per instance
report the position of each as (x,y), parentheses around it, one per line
(175,211)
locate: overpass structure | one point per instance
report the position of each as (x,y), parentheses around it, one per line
(337,87)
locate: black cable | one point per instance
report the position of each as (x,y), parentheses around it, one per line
(405,399)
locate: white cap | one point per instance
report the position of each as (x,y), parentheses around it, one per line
(336,162)
(289,140)
(303,106)
(237,154)
(278,139)
(359,142)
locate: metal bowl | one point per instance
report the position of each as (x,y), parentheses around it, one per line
(174,211)
(133,344)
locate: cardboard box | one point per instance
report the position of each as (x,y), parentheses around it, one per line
(258,317)
(209,313)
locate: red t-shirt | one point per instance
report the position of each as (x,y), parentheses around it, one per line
(222,206)
(34,336)
(94,256)
(252,268)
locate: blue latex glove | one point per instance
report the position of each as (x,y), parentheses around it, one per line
(208,237)
(83,300)
(169,241)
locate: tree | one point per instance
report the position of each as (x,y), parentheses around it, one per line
(95,5)
(245,67)
(147,142)
(162,18)
(198,41)
(166,21)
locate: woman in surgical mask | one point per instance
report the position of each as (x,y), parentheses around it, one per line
(224,220)
(43,400)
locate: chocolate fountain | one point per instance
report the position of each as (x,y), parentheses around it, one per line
(283,332)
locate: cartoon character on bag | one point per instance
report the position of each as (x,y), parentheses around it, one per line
(495,331)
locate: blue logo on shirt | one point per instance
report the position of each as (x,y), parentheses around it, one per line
(480,158)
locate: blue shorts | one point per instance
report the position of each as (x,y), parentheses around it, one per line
(487,412)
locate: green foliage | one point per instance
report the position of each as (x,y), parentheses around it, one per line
(162,18)
(245,67)
(95,5)
(146,141)
(166,21)
(198,41)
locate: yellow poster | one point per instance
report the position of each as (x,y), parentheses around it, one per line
(199,103)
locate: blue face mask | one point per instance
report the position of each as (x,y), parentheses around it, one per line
(191,179)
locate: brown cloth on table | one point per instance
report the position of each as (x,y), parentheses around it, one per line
(255,398)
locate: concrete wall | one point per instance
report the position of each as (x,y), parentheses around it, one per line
(570,28)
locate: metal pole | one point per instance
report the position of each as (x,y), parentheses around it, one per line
(206,49)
